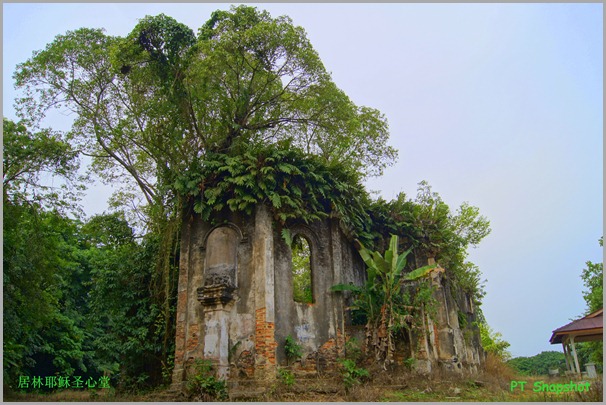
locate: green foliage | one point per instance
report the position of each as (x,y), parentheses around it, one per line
(593,280)
(351,373)
(353,350)
(539,364)
(301,266)
(28,155)
(382,299)
(427,224)
(293,350)
(78,303)
(42,325)
(462,319)
(131,334)
(150,103)
(591,352)
(204,386)
(43,328)
(287,236)
(493,343)
(286,376)
(409,363)
(293,184)
(242,114)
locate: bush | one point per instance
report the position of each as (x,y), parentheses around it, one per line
(353,350)
(352,374)
(287,377)
(204,386)
(293,350)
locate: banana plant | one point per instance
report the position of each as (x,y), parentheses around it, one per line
(377,298)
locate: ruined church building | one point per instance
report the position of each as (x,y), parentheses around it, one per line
(236,308)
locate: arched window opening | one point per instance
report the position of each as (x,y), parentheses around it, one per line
(301,271)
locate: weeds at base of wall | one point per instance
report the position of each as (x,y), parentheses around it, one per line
(352,374)
(410,363)
(292,349)
(204,386)
(286,377)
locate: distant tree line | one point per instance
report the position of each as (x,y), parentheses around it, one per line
(539,364)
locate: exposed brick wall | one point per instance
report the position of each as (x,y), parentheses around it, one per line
(325,357)
(180,337)
(246,364)
(193,338)
(265,341)
(333,348)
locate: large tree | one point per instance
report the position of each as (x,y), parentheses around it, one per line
(40,326)
(160,100)
(150,103)
(30,159)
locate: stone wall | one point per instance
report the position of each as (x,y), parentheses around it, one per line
(444,343)
(235,301)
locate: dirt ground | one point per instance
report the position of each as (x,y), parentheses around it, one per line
(395,386)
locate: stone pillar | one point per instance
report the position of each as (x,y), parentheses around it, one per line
(216,295)
(444,327)
(574,355)
(337,278)
(263,281)
(181,326)
(591,371)
(216,300)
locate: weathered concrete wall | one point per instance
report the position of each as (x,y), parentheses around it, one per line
(444,343)
(235,304)
(215,295)
(318,326)
(235,301)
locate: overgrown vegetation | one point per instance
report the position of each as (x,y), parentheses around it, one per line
(301,271)
(383,301)
(287,377)
(493,342)
(203,384)
(243,113)
(76,293)
(292,349)
(352,374)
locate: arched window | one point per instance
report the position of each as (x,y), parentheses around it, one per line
(301,270)
(221,257)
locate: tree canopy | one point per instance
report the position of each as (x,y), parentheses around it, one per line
(28,156)
(593,280)
(149,104)
(539,364)
(76,295)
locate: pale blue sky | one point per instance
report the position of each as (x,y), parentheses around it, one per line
(499,105)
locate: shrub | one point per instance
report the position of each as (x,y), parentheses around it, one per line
(409,363)
(293,350)
(287,377)
(352,374)
(204,386)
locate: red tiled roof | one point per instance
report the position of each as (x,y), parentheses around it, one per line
(590,325)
